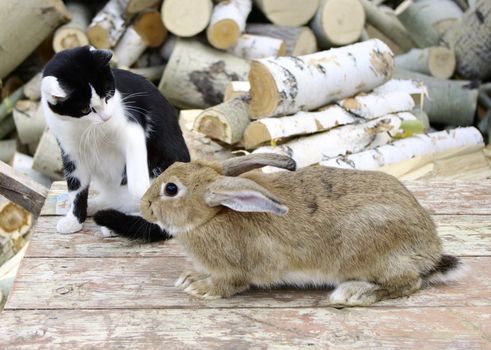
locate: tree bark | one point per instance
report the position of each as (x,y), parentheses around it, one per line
(196,75)
(471,40)
(338,22)
(288,13)
(436,61)
(225,122)
(405,149)
(450,102)
(129,48)
(250,46)
(73,33)
(186,18)
(227,22)
(286,85)
(299,41)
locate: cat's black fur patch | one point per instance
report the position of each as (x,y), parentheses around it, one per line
(80,205)
(130,226)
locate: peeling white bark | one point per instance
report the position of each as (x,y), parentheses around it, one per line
(250,46)
(129,48)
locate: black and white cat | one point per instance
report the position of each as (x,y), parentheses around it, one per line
(116,133)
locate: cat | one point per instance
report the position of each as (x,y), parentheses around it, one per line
(116,133)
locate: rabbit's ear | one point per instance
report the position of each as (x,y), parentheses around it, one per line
(243,195)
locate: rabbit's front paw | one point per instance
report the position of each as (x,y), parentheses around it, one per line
(188,277)
(354,293)
(203,288)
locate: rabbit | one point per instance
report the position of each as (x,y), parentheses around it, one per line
(361,232)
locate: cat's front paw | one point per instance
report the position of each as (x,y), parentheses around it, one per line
(68,224)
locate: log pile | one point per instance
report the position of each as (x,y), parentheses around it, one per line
(330,82)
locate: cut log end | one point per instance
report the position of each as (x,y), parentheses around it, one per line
(186,18)
(68,38)
(214,128)
(223,34)
(98,37)
(288,13)
(306,43)
(342,21)
(255,135)
(264,92)
(441,62)
(14,218)
(150,27)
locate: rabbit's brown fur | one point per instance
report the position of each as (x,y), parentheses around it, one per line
(360,231)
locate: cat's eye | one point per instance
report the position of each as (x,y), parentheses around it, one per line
(171,189)
(86,110)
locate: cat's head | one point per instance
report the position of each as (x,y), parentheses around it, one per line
(79,83)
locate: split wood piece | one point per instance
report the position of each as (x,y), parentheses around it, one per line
(47,159)
(7,126)
(227,22)
(151,73)
(136,6)
(7,150)
(338,22)
(450,102)
(471,40)
(236,89)
(339,141)
(288,13)
(286,85)
(373,33)
(24,28)
(250,46)
(350,111)
(225,122)
(411,147)
(108,25)
(32,89)
(21,189)
(427,20)
(15,221)
(29,121)
(298,40)
(436,61)
(199,145)
(73,34)
(186,18)
(387,23)
(196,75)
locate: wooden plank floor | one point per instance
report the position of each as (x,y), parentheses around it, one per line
(85,291)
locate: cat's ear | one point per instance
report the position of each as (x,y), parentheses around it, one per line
(102,57)
(52,90)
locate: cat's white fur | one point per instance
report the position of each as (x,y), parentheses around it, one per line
(100,144)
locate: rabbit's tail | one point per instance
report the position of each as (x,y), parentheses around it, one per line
(448,269)
(130,226)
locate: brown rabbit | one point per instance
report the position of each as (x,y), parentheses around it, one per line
(360,231)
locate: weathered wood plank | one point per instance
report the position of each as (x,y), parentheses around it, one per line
(416,328)
(21,189)
(451,198)
(463,235)
(90,283)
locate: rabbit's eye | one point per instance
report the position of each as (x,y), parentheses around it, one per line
(171,189)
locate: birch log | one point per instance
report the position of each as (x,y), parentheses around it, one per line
(352,111)
(373,33)
(427,20)
(338,22)
(225,122)
(250,46)
(471,40)
(32,89)
(340,141)
(298,40)
(129,48)
(196,75)
(7,150)
(153,73)
(25,24)
(227,22)
(73,33)
(149,25)
(136,6)
(47,159)
(236,89)
(436,61)
(408,148)
(7,126)
(108,25)
(388,24)
(186,18)
(286,85)
(29,121)
(291,13)
(450,102)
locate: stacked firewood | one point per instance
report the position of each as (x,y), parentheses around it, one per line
(255,75)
